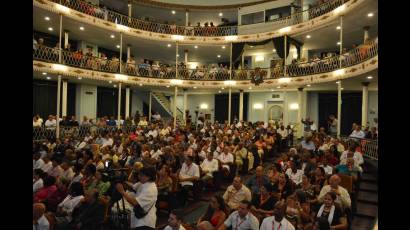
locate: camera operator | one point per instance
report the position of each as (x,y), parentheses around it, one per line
(145,196)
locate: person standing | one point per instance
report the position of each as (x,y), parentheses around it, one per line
(332,125)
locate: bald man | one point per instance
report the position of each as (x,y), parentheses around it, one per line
(343,197)
(40,222)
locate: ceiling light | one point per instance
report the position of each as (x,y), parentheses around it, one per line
(308,85)
(258,106)
(218,55)
(294,106)
(338,27)
(203,106)
(250,87)
(222,88)
(44,73)
(278,87)
(342,88)
(370,15)
(167,86)
(50,28)
(79,78)
(140,84)
(48,78)
(118,46)
(307,36)
(272,90)
(274,50)
(173,12)
(251,46)
(115,86)
(177,55)
(195,87)
(112,36)
(223,47)
(259,58)
(338,43)
(110,82)
(47,18)
(220,14)
(81,28)
(169,45)
(196,47)
(337,82)
(219,91)
(369,77)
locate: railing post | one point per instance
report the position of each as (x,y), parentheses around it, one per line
(58,107)
(149,105)
(119,105)
(339,107)
(120,52)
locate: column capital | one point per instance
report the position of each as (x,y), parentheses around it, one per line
(300,89)
(185,51)
(241,90)
(366,27)
(365,84)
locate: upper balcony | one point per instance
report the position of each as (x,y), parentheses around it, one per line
(296,23)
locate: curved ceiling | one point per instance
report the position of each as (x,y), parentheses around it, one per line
(200,4)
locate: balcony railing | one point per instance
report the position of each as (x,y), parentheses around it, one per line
(75,59)
(156,27)
(369,147)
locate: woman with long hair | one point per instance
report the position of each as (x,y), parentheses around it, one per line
(215,214)
(332,212)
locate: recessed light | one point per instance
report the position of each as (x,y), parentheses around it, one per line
(338,43)
(218,56)
(220,14)
(196,47)
(223,47)
(308,85)
(50,28)
(48,78)
(369,77)
(278,87)
(169,45)
(195,87)
(167,86)
(140,84)
(274,50)
(272,90)
(307,36)
(370,15)
(115,86)
(219,91)
(47,18)
(337,82)
(342,88)
(338,27)
(112,36)
(44,73)
(177,55)
(222,88)
(251,46)
(250,88)
(79,78)
(110,82)
(81,28)
(118,46)
(173,12)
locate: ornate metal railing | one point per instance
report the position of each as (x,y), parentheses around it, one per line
(125,20)
(368,147)
(75,59)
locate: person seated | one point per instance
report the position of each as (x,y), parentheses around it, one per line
(278,220)
(38,177)
(175,220)
(58,196)
(40,222)
(89,215)
(236,193)
(262,206)
(215,214)
(188,174)
(352,153)
(48,189)
(241,219)
(208,167)
(88,180)
(283,188)
(308,144)
(56,170)
(343,197)
(226,158)
(332,212)
(256,181)
(294,173)
(349,169)
(357,133)
(243,160)
(66,207)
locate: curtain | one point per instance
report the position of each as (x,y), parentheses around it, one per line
(107,102)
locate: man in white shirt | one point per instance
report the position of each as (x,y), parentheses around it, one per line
(40,222)
(175,221)
(209,166)
(56,171)
(226,159)
(37,161)
(68,173)
(343,197)
(47,164)
(351,153)
(358,133)
(152,132)
(236,193)
(277,221)
(242,219)
(143,122)
(294,174)
(51,122)
(188,174)
(66,207)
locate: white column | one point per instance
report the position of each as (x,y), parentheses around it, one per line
(365,103)
(341,41)
(175,106)
(301,106)
(60,59)
(284,63)
(127,102)
(285,107)
(58,107)
(119,105)
(64,102)
(243,61)
(339,107)
(185,105)
(65,39)
(186,57)
(366,33)
(229,105)
(241,105)
(129,11)
(121,52)
(128,52)
(150,106)
(186,17)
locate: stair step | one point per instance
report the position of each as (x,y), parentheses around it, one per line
(359,223)
(368,187)
(367,177)
(367,210)
(368,197)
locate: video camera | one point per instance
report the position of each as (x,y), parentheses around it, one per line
(114,176)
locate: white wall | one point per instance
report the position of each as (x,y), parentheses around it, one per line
(194,102)
(312,110)
(136,101)
(86,101)
(265,98)
(373,107)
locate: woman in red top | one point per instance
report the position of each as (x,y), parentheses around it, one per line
(44,193)
(215,214)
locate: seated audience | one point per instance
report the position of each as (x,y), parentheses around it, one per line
(40,222)
(215,214)
(241,219)
(278,220)
(236,193)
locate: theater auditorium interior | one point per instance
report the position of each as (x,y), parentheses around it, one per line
(183,114)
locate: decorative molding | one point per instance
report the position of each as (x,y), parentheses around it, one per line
(295,82)
(314,23)
(197,7)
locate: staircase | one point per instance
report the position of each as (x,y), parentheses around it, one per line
(367,198)
(166,105)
